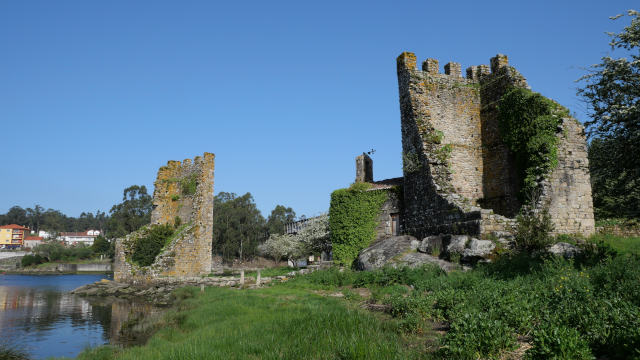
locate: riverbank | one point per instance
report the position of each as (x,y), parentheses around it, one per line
(161,291)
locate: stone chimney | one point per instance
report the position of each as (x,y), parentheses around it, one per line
(364,168)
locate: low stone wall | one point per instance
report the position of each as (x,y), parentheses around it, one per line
(84,268)
(10,254)
(619,230)
(10,263)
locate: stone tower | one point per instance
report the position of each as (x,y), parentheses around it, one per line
(183,195)
(364,168)
(459,177)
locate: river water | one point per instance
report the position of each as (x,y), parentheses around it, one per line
(39,316)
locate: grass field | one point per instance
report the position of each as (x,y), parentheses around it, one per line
(520,306)
(628,245)
(279,322)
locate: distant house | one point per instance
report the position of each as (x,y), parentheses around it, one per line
(45,234)
(77,238)
(12,236)
(32,241)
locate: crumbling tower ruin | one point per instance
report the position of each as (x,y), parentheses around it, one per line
(459,177)
(183,195)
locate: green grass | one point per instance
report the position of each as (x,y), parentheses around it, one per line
(564,309)
(583,308)
(625,245)
(281,322)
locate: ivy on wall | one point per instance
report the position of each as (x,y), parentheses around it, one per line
(353,218)
(148,246)
(528,125)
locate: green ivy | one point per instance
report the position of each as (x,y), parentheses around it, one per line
(528,125)
(353,218)
(147,247)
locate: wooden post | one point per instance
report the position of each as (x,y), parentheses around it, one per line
(201,288)
(241,277)
(258,278)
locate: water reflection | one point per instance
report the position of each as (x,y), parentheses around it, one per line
(38,315)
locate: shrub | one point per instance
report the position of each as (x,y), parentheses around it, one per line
(101,245)
(146,248)
(189,185)
(55,251)
(29,260)
(476,335)
(353,217)
(554,341)
(533,229)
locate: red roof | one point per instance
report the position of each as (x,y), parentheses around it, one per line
(14,226)
(40,238)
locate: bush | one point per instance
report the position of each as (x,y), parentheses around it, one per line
(476,335)
(146,248)
(189,185)
(55,251)
(533,229)
(559,342)
(29,260)
(102,246)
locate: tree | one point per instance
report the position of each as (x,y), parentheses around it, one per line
(132,213)
(238,226)
(312,238)
(103,246)
(278,218)
(35,216)
(15,215)
(612,91)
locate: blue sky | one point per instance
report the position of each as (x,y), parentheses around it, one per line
(96,95)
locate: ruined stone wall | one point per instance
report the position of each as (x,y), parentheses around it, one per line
(568,190)
(459,178)
(185,191)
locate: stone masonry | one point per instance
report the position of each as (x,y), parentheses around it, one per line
(183,191)
(459,178)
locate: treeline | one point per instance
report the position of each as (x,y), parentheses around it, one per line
(123,218)
(37,218)
(239,227)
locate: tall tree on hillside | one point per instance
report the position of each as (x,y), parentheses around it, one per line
(279,216)
(238,226)
(55,221)
(612,90)
(132,213)
(15,215)
(35,216)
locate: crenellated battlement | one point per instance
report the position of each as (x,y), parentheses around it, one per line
(431,66)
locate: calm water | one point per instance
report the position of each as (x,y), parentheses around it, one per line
(37,314)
